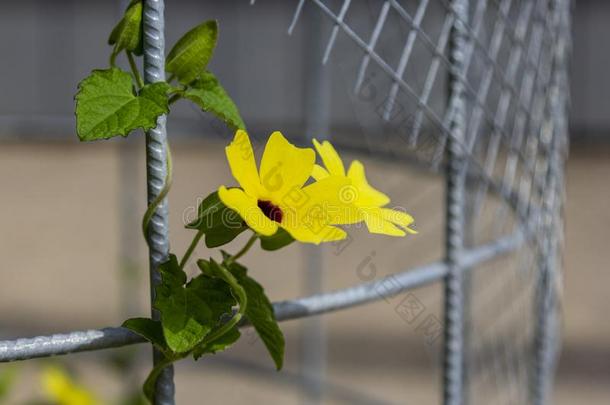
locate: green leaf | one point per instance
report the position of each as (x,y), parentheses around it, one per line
(106,105)
(219,223)
(222,235)
(227,333)
(276,241)
(260,313)
(189,313)
(217,294)
(172,276)
(208,207)
(211,268)
(191,54)
(208,93)
(127,34)
(149,330)
(218,345)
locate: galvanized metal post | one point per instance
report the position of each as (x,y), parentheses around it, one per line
(453,356)
(553,134)
(544,310)
(317,106)
(156,171)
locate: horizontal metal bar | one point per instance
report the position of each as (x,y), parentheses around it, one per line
(489,251)
(96,339)
(64,343)
(360,294)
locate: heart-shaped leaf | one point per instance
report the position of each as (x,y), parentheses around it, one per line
(218,345)
(148,329)
(189,312)
(107,106)
(210,96)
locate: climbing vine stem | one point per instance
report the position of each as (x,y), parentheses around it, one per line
(134,70)
(150,211)
(243,250)
(191,248)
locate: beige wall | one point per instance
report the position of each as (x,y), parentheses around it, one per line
(61,230)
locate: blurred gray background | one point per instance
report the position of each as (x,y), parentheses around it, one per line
(48,46)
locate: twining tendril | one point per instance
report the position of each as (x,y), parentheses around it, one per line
(152,207)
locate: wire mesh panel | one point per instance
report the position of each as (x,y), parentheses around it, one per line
(511,76)
(515,130)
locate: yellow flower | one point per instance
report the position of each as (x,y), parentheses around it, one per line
(367,203)
(61,390)
(276,196)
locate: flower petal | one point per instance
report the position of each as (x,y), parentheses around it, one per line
(335,195)
(315,235)
(60,388)
(284,167)
(330,157)
(319,173)
(327,193)
(247,208)
(322,203)
(367,195)
(241,160)
(402,219)
(376,223)
(309,217)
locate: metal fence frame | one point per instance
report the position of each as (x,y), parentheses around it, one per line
(459,258)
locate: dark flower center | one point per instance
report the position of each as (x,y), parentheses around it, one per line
(271,211)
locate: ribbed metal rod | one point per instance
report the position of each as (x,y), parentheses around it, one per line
(545,303)
(453,350)
(156,171)
(544,298)
(97,339)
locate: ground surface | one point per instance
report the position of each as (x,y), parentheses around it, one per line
(62,229)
